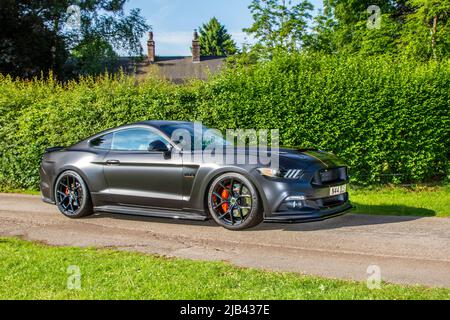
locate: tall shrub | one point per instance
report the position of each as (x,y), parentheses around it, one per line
(388,119)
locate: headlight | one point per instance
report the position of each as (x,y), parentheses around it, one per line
(292,174)
(269,172)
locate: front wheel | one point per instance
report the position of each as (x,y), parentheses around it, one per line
(234,203)
(72,195)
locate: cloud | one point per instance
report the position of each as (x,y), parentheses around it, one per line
(160,12)
(174,38)
(185,37)
(173,43)
(241,37)
(179,42)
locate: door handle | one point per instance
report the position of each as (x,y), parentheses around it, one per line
(112,162)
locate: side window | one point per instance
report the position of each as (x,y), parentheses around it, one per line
(103,142)
(136,140)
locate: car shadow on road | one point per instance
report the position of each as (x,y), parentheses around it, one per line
(365,217)
(362,216)
(392,209)
(137,218)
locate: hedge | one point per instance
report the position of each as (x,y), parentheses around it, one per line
(388,119)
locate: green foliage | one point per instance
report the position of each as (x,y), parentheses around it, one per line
(426,33)
(322,35)
(122,31)
(344,27)
(388,119)
(38,36)
(416,29)
(279,23)
(93,55)
(28,43)
(215,39)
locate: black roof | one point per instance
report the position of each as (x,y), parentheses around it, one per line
(175,69)
(159,123)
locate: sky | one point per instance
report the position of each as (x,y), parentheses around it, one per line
(173,21)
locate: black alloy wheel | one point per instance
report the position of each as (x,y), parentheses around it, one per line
(72,196)
(234,202)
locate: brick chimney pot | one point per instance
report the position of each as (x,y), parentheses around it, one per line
(196,48)
(151,48)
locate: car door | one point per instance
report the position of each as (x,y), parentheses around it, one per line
(141,176)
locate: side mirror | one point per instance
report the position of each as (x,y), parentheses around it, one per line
(158,146)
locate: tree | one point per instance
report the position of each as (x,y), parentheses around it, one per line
(348,31)
(92,56)
(415,28)
(280,23)
(39,35)
(215,40)
(322,35)
(426,34)
(28,44)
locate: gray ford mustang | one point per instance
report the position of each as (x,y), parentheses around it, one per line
(141,169)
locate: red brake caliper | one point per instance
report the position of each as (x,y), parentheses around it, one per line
(67,191)
(224,196)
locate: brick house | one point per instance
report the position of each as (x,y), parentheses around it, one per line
(178,69)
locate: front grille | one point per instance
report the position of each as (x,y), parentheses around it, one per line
(330,176)
(333,201)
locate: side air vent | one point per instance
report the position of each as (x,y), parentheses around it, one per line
(293,174)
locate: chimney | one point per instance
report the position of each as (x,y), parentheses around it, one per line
(151,48)
(195,48)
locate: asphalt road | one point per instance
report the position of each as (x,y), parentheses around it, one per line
(411,250)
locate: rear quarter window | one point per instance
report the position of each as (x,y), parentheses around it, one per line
(103,142)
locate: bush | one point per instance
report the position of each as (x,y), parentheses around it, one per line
(388,120)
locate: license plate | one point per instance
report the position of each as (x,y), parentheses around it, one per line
(334,191)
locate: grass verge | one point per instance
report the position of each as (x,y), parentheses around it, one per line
(21,191)
(418,201)
(34,271)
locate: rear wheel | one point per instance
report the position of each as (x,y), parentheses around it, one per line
(234,203)
(72,195)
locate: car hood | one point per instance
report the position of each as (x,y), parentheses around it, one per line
(314,158)
(290,158)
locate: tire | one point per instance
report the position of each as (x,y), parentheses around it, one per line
(72,196)
(234,202)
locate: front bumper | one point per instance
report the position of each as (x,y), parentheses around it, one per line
(316,201)
(318,215)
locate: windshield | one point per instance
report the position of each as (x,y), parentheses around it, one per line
(194,136)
